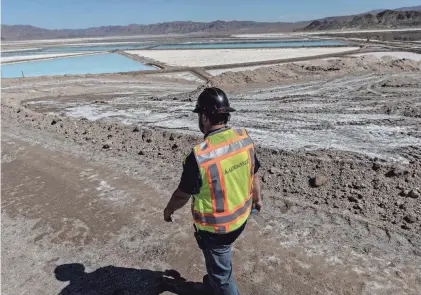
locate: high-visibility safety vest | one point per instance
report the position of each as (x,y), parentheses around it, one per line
(226,162)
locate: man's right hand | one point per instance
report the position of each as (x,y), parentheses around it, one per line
(257,197)
(258,205)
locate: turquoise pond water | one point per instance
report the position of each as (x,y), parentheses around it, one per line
(295,43)
(87,64)
(94,48)
(74,49)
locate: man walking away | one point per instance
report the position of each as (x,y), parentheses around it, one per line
(220,175)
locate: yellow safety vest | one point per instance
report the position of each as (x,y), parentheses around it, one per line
(226,163)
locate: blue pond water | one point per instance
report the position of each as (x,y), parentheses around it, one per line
(295,43)
(87,64)
(94,48)
(75,49)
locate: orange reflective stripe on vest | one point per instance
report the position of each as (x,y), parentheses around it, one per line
(252,161)
(225,218)
(223,150)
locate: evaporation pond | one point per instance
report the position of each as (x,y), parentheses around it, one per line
(291,43)
(78,65)
(72,48)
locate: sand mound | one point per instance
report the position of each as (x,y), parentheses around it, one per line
(315,69)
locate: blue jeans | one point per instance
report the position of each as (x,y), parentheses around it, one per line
(217,251)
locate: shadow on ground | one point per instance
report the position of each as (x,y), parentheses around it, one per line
(111,280)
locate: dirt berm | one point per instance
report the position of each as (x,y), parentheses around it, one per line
(385,194)
(315,69)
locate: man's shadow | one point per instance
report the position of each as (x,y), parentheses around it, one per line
(111,280)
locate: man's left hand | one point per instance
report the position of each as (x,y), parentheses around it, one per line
(167,215)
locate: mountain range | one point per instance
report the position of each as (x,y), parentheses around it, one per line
(400,17)
(408,8)
(387,19)
(26,32)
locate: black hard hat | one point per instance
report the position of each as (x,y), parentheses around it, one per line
(213,101)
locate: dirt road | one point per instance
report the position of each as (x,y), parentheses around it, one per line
(59,208)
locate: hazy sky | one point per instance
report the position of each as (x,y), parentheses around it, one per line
(57,14)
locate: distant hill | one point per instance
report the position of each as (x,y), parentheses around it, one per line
(382,20)
(409,8)
(26,32)
(397,18)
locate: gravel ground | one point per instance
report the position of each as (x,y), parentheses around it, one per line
(69,204)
